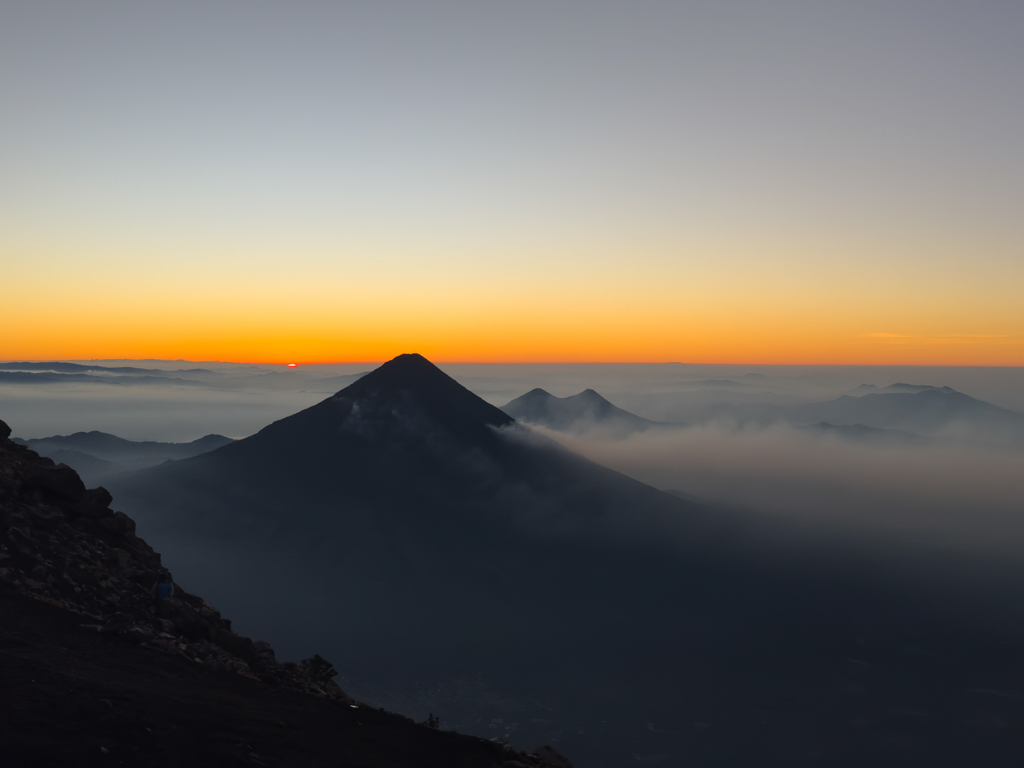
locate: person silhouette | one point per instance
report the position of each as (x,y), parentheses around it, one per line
(162,590)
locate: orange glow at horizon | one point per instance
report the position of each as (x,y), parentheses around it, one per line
(638,326)
(734,302)
(529,342)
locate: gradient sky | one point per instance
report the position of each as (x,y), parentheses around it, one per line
(760,182)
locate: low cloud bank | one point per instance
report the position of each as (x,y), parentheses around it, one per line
(947,495)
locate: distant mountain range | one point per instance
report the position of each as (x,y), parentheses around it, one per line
(450,559)
(927,411)
(913,389)
(77,373)
(98,455)
(235,377)
(50,377)
(862,434)
(917,409)
(579,413)
(906,413)
(58,367)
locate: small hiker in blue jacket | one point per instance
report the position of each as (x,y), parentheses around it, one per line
(162,589)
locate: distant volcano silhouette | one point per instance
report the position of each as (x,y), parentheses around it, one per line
(412,381)
(579,413)
(405,394)
(405,436)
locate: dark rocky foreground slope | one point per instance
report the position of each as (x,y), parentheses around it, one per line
(92,673)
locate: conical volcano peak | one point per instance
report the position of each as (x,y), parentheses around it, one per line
(409,361)
(404,371)
(409,371)
(406,399)
(411,384)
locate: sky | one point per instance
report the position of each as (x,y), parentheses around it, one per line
(706,182)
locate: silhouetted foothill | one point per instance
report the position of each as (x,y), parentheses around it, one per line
(102,445)
(97,456)
(5,431)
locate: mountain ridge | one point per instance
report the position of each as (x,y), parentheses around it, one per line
(583,412)
(98,456)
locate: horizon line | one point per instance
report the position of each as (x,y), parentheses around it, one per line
(299,363)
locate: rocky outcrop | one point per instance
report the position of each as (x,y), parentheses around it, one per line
(61,543)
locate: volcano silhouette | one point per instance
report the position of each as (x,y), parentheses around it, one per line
(579,413)
(406,443)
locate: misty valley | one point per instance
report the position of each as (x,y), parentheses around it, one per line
(665,565)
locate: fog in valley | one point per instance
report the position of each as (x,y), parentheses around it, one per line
(724,438)
(950,494)
(726,435)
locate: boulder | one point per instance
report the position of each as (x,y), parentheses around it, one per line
(192,627)
(237,645)
(552,758)
(5,431)
(116,522)
(264,651)
(126,524)
(95,503)
(60,483)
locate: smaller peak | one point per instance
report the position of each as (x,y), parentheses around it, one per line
(213,438)
(537,392)
(918,389)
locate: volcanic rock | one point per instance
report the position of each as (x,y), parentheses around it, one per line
(95,503)
(60,483)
